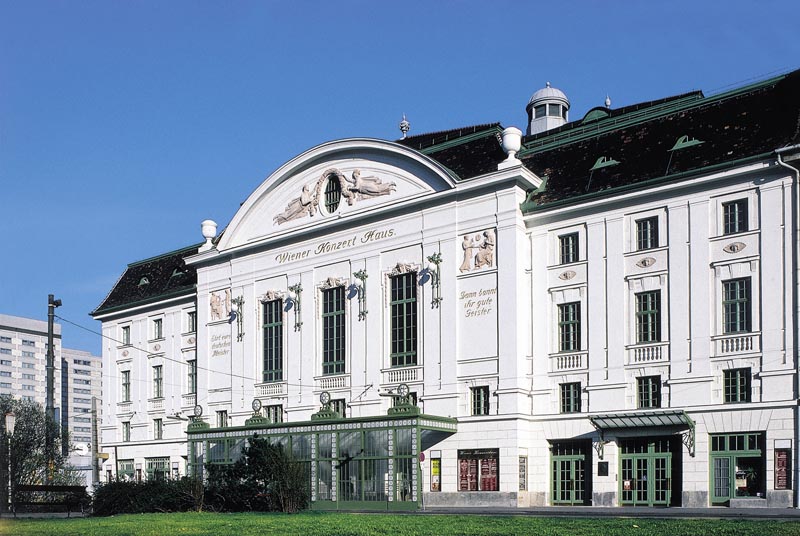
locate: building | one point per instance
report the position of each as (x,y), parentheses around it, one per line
(77,380)
(602,312)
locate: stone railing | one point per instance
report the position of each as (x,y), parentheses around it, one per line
(402,375)
(155,404)
(648,353)
(271,389)
(326,383)
(568,361)
(738,343)
(189,400)
(124,407)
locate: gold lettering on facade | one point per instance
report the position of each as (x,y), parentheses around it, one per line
(329,246)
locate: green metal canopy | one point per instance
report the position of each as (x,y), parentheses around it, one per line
(647,419)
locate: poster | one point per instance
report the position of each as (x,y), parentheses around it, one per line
(436,467)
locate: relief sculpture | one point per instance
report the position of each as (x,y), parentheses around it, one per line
(355,188)
(478,251)
(220,306)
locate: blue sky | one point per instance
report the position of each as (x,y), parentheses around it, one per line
(124,124)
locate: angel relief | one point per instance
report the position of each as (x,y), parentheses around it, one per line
(355,188)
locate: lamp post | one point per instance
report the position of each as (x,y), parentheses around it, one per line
(11,420)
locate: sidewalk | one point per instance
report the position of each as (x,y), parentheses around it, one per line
(621,511)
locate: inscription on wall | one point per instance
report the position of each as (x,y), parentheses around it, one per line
(220,345)
(477,317)
(329,246)
(478,303)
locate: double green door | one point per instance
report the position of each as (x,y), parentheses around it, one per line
(570,481)
(645,473)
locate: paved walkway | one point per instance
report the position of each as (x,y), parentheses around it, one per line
(598,511)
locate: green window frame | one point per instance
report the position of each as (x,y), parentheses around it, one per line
(191,321)
(339,405)
(648,316)
(568,248)
(570,397)
(569,327)
(273,341)
(157,468)
(480,400)
(735,217)
(126,335)
(126,431)
(333,193)
(647,233)
(126,386)
(403,310)
(736,306)
(737,385)
(192,376)
(158,429)
(125,470)
(738,466)
(648,391)
(158,381)
(274,413)
(158,328)
(333,335)
(222,418)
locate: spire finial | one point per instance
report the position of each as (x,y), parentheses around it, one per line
(405,126)
(608,101)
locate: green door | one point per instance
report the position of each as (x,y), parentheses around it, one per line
(645,470)
(568,473)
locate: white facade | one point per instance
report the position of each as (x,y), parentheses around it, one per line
(634,347)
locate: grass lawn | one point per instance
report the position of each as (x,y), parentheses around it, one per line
(312,523)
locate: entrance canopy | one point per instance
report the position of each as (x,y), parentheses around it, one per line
(636,420)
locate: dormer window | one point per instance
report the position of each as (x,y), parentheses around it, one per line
(144,281)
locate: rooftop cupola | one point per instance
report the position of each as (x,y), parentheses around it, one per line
(548,108)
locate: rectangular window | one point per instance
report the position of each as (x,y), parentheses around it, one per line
(3,338)
(26,342)
(5,362)
(568,248)
(126,431)
(648,316)
(192,376)
(554,110)
(478,470)
(191,321)
(571,397)
(404,319)
(81,381)
(6,351)
(27,387)
(81,400)
(569,327)
(333,330)
(647,233)
(339,406)
(649,391)
(539,111)
(157,468)
(7,373)
(28,365)
(24,376)
(126,385)
(84,362)
(126,335)
(82,391)
(5,385)
(273,341)
(158,429)
(734,216)
(737,385)
(736,305)
(480,400)
(274,413)
(158,328)
(28,354)
(158,381)
(82,372)
(222,418)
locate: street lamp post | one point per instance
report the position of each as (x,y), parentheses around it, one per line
(11,420)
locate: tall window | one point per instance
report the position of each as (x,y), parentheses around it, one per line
(568,248)
(571,397)
(222,418)
(191,321)
(192,376)
(333,193)
(649,391)
(126,431)
(126,385)
(734,216)
(736,305)
(158,381)
(648,316)
(158,429)
(126,335)
(333,330)
(339,405)
(737,385)
(480,400)
(274,413)
(404,319)
(158,328)
(273,341)
(647,233)
(569,327)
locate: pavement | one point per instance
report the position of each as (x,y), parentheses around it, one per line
(622,512)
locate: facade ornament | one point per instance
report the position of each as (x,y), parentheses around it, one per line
(567,275)
(220,303)
(333,282)
(271,295)
(734,247)
(191,340)
(157,347)
(646,262)
(402,268)
(478,251)
(125,353)
(353,189)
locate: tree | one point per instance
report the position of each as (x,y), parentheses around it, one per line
(30,461)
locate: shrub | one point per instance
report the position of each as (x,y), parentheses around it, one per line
(120,497)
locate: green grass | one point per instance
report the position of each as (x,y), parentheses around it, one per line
(312,524)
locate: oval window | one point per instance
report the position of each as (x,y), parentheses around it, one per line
(333,194)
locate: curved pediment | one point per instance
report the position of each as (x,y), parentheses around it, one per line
(335,180)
